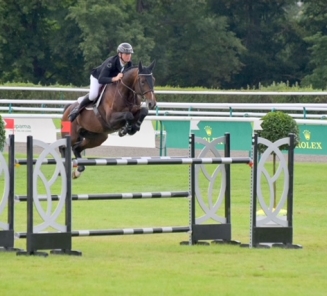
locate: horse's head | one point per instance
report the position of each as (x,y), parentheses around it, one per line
(144,88)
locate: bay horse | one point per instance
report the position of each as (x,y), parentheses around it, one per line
(118,109)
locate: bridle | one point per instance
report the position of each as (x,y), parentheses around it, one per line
(142,93)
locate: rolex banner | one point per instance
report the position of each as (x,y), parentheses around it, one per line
(241,133)
(313,140)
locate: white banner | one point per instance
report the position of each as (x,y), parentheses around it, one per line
(145,138)
(41,129)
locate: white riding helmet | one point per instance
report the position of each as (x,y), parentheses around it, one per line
(125,48)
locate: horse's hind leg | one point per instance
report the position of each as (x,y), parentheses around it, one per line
(86,143)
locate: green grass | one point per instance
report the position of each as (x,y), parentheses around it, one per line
(157,264)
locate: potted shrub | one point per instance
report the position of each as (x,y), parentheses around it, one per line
(277,125)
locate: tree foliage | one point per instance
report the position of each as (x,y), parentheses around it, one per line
(207,43)
(37,43)
(315,21)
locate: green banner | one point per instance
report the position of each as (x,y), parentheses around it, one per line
(313,140)
(240,132)
(177,134)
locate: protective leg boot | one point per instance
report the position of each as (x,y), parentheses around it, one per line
(77,110)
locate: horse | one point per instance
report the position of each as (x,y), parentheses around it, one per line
(119,108)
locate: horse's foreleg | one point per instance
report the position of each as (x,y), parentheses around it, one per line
(128,117)
(136,127)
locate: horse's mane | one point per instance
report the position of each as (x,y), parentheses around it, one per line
(130,68)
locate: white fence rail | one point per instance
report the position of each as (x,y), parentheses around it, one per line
(177,109)
(296,110)
(176,92)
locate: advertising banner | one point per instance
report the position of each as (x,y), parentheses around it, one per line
(313,140)
(178,132)
(145,138)
(42,129)
(240,132)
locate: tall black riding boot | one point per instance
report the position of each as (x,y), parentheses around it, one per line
(77,110)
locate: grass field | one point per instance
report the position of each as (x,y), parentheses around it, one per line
(157,264)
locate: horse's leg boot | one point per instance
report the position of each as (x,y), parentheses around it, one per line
(77,110)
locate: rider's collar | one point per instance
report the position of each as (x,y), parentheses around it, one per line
(122,64)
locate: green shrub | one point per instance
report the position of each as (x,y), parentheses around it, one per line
(2,133)
(277,125)
(183,98)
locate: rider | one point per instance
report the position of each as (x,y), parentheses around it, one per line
(108,72)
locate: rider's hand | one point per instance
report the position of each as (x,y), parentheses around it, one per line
(118,77)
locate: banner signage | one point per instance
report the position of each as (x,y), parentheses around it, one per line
(41,129)
(313,139)
(144,138)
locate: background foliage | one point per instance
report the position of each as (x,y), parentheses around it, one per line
(227,44)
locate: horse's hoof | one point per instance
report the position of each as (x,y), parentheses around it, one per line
(121,133)
(76,174)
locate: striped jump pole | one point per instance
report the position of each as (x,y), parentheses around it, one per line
(161,161)
(131,231)
(124,231)
(112,196)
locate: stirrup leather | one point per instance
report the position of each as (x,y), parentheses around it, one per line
(74,113)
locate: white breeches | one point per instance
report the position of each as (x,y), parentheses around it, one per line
(94,89)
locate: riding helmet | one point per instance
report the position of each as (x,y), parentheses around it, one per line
(125,48)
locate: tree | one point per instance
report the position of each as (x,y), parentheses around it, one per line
(195,46)
(275,126)
(272,37)
(38,44)
(314,22)
(105,25)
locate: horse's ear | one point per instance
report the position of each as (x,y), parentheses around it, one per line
(151,67)
(140,66)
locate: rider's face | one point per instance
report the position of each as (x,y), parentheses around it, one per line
(126,57)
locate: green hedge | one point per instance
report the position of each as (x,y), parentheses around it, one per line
(281,87)
(2,133)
